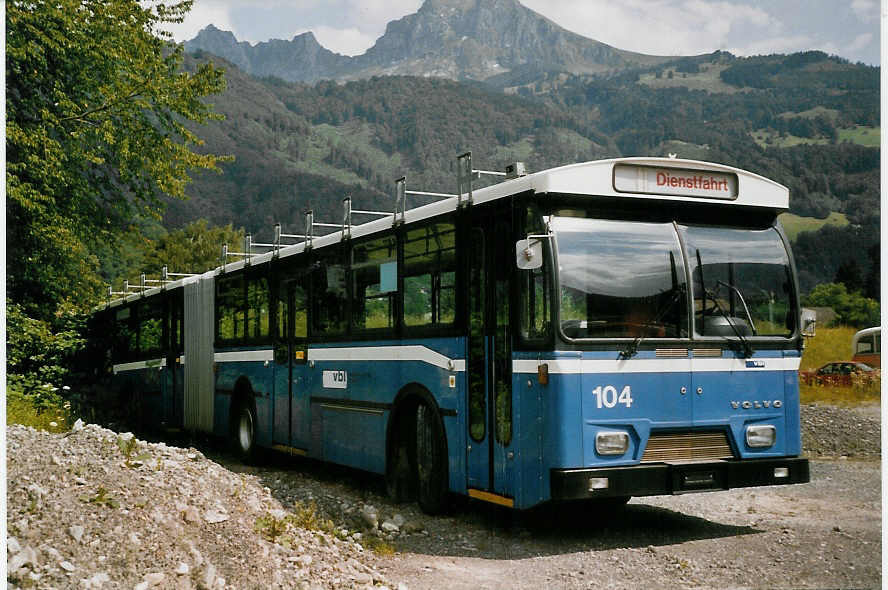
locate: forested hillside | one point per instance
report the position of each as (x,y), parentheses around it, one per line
(802,120)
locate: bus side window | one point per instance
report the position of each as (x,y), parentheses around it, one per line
(124,334)
(257,308)
(864,345)
(229,309)
(150,338)
(430,276)
(329,296)
(374,272)
(535,302)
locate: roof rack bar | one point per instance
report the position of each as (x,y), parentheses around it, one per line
(400,200)
(427,194)
(346,217)
(488,172)
(380,213)
(309,228)
(464,173)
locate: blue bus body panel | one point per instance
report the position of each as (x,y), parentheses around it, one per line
(347,425)
(592,392)
(259,375)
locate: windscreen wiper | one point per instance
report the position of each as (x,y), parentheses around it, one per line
(743,301)
(743,347)
(632,348)
(677,290)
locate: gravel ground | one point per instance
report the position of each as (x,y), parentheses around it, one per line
(168,529)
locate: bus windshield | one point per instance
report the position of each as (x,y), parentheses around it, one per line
(626,279)
(620,279)
(741,281)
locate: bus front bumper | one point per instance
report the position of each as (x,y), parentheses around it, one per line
(657,479)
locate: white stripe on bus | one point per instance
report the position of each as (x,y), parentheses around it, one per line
(135,366)
(244,356)
(578,366)
(410,352)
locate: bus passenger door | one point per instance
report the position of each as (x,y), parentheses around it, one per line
(174,399)
(489,370)
(291,386)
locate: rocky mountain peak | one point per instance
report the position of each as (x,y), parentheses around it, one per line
(457,39)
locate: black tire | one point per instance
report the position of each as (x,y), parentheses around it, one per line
(397,475)
(243,430)
(431,461)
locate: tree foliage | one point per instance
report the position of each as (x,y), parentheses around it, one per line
(195,248)
(95,113)
(852,309)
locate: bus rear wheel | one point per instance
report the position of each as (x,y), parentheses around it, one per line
(243,430)
(431,461)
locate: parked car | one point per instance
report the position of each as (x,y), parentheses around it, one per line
(840,373)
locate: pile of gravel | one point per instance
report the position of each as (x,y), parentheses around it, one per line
(830,431)
(95,509)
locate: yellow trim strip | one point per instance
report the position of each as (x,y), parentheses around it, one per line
(494,498)
(290,450)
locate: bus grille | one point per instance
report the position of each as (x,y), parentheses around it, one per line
(686,446)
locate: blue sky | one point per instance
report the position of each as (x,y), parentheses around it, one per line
(848,28)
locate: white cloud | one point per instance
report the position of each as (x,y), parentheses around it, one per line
(660,27)
(203,13)
(865,10)
(349,41)
(790,44)
(860,41)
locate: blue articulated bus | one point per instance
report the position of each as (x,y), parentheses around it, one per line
(601,330)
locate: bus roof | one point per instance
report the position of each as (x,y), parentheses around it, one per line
(646,179)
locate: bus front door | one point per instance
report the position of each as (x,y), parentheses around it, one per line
(489,371)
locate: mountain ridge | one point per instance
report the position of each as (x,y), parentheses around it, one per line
(456,39)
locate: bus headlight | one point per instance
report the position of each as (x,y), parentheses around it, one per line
(611,443)
(761,436)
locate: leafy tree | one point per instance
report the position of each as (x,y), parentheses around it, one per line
(96,108)
(850,274)
(195,248)
(852,309)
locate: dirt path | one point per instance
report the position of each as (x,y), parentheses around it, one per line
(825,534)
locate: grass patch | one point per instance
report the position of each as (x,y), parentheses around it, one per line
(517,151)
(830,344)
(834,344)
(51,415)
(378,546)
(862,135)
(818,111)
(768,138)
(708,79)
(795,224)
(854,395)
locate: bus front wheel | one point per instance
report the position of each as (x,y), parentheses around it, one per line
(431,461)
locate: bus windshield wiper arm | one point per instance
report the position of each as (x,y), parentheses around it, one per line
(743,301)
(744,347)
(632,348)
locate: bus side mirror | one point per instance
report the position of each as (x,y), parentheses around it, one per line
(529,254)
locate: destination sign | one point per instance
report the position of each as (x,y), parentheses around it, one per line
(630,178)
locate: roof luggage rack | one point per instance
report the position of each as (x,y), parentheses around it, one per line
(466,175)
